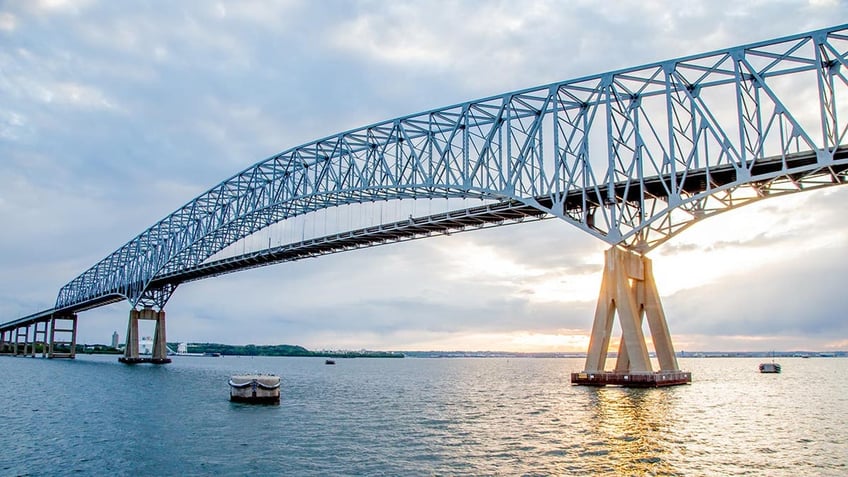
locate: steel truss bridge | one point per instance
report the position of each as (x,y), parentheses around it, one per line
(633,157)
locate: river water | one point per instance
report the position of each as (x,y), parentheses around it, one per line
(463,416)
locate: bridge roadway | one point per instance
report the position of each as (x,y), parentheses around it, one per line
(797,166)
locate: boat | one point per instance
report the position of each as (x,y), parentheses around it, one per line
(770,367)
(330,361)
(255,388)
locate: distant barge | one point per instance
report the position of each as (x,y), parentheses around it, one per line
(140,360)
(633,380)
(769,368)
(255,389)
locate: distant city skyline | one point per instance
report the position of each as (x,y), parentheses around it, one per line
(112,115)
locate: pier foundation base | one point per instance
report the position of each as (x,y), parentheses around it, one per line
(632,380)
(628,287)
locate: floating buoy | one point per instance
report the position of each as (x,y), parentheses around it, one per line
(255,388)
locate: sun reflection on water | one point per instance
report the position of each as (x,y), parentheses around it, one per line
(631,428)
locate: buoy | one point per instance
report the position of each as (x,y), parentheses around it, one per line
(255,388)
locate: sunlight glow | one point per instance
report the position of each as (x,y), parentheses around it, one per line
(479,261)
(558,341)
(738,243)
(574,340)
(487,264)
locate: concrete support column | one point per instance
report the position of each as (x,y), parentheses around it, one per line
(131,348)
(160,344)
(21,332)
(160,349)
(657,322)
(66,328)
(628,287)
(40,330)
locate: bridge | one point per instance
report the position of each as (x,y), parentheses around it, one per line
(632,157)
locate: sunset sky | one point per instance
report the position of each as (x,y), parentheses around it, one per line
(114,114)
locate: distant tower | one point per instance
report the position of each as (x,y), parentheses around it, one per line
(115,339)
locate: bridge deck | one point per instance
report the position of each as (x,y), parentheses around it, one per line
(445,223)
(39,317)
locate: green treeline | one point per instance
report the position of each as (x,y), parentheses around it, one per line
(281,350)
(247,350)
(216,348)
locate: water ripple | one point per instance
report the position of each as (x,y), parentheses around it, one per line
(413,417)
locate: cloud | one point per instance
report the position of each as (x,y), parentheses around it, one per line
(72,94)
(12,125)
(8,22)
(47,7)
(784,298)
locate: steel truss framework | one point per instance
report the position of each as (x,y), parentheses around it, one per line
(632,156)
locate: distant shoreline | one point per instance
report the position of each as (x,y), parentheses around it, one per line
(682,354)
(295,350)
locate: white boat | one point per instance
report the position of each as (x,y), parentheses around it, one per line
(255,388)
(769,367)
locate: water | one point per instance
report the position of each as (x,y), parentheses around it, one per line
(94,416)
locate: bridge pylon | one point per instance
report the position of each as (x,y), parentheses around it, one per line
(628,287)
(65,345)
(160,349)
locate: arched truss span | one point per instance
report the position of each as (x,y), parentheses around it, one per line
(632,156)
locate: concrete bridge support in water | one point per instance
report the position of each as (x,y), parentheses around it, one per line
(66,345)
(21,332)
(628,287)
(39,331)
(160,349)
(39,336)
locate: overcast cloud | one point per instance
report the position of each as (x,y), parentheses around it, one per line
(113,114)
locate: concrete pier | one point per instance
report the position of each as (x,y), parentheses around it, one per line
(628,287)
(41,329)
(160,348)
(21,347)
(65,346)
(48,335)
